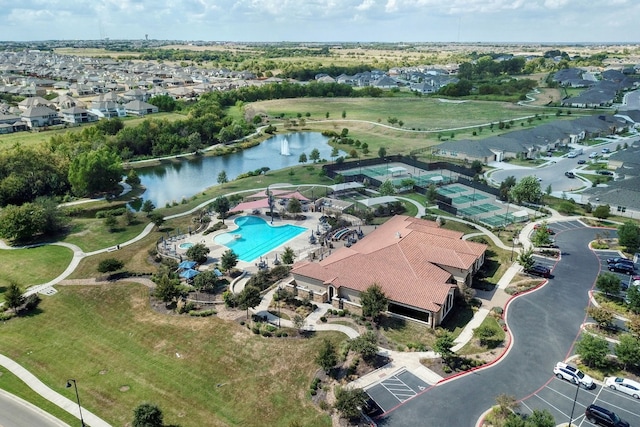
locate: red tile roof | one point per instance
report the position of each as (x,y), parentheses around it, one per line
(400,256)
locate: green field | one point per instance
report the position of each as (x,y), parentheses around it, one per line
(199,371)
(33,266)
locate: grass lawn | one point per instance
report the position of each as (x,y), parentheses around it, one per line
(33,266)
(403,332)
(199,371)
(473,346)
(91,234)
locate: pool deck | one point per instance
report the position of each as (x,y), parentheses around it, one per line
(300,244)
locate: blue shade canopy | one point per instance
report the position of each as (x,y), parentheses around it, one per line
(189,274)
(187,264)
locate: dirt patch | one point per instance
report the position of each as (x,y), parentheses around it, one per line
(124,388)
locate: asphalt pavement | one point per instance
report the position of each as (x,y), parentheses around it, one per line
(544,325)
(15,412)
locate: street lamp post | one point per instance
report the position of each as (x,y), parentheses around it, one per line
(574,403)
(69,381)
(514,242)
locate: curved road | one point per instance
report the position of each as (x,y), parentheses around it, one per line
(19,413)
(544,326)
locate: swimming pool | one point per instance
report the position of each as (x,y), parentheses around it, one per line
(255,237)
(186,245)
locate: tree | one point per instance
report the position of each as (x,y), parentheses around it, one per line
(132,178)
(294,205)
(540,418)
(382,152)
(19,223)
(148,207)
(315,155)
(488,335)
(327,357)
(95,171)
(205,281)
(602,211)
(443,345)
(628,351)
(349,401)
(198,253)
(629,236)
(249,298)
(222,206)
(593,350)
(506,404)
(432,193)
(110,222)
(110,265)
(288,256)
(298,322)
(527,190)
(633,325)
(222,177)
(302,158)
(167,288)
(548,190)
(506,186)
(335,152)
(13,296)
(156,218)
(525,259)
(344,114)
(147,415)
(374,302)
(476,166)
(608,283)
(602,316)
(366,345)
(228,260)
(165,103)
(387,188)
(633,299)
(541,236)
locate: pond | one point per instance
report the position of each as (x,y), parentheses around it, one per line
(174,181)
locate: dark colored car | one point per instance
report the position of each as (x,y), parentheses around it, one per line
(539,270)
(582,162)
(599,415)
(619,260)
(622,268)
(569,174)
(603,172)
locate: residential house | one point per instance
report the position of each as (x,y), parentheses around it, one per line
(107,109)
(39,116)
(418,265)
(140,108)
(77,115)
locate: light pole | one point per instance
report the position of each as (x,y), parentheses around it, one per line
(69,381)
(514,242)
(574,403)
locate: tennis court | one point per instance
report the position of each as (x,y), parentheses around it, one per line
(479,209)
(498,220)
(445,191)
(466,198)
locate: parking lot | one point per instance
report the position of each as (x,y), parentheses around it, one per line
(396,389)
(557,397)
(603,256)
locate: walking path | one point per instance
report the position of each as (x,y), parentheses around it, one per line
(399,360)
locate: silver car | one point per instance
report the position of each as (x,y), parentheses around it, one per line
(632,388)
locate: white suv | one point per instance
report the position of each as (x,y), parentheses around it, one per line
(573,374)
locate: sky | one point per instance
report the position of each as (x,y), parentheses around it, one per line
(548,21)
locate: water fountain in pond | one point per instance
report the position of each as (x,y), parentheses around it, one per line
(284,147)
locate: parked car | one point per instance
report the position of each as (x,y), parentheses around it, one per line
(582,161)
(539,270)
(619,260)
(622,268)
(573,374)
(606,150)
(593,155)
(599,415)
(569,174)
(632,388)
(604,172)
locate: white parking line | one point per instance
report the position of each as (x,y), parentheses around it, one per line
(398,389)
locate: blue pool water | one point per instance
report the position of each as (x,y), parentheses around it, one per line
(256,237)
(186,245)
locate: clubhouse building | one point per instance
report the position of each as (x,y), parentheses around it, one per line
(419,266)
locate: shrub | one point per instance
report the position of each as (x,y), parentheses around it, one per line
(255,329)
(202,313)
(323,319)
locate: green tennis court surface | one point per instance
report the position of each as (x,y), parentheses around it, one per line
(468,198)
